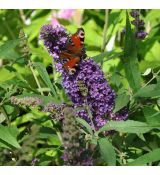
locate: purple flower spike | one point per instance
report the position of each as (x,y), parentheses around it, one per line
(54,39)
(100,97)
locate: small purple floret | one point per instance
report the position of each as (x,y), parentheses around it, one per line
(134,13)
(138,22)
(141,34)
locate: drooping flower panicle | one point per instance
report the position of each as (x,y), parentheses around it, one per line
(26,101)
(99,97)
(74,153)
(55,39)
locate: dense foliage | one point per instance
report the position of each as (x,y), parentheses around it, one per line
(108,113)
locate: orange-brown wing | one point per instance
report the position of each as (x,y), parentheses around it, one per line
(77,43)
(70,66)
(71,63)
(70,57)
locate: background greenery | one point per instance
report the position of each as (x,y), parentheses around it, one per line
(26,134)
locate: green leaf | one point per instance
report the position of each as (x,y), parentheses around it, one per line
(152,90)
(128,126)
(121,101)
(2,117)
(19,83)
(106,56)
(8,108)
(33,29)
(130,58)
(7,50)
(8,135)
(152,116)
(7,75)
(115,23)
(107,151)
(46,132)
(49,134)
(146,158)
(44,75)
(85,124)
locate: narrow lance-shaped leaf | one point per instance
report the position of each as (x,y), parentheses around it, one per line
(152,90)
(130,60)
(146,158)
(85,124)
(107,151)
(44,75)
(106,56)
(128,126)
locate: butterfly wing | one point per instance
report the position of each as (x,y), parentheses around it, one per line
(77,43)
(74,51)
(71,64)
(78,38)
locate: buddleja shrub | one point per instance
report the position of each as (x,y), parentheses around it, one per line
(80,118)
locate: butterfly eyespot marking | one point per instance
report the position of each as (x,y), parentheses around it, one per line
(81,34)
(65,60)
(72,71)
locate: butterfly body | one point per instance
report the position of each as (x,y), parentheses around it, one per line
(73,52)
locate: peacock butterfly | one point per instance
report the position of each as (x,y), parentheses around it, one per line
(73,52)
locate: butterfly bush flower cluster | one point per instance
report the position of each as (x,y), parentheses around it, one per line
(74,152)
(100,97)
(139,24)
(55,39)
(55,110)
(26,101)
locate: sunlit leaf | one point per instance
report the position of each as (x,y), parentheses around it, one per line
(121,101)
(7,50)
(107,151)
(44,75)
(152,116)
(152,90)
(128,126)
(85,124)
(146,158)
(8,135)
